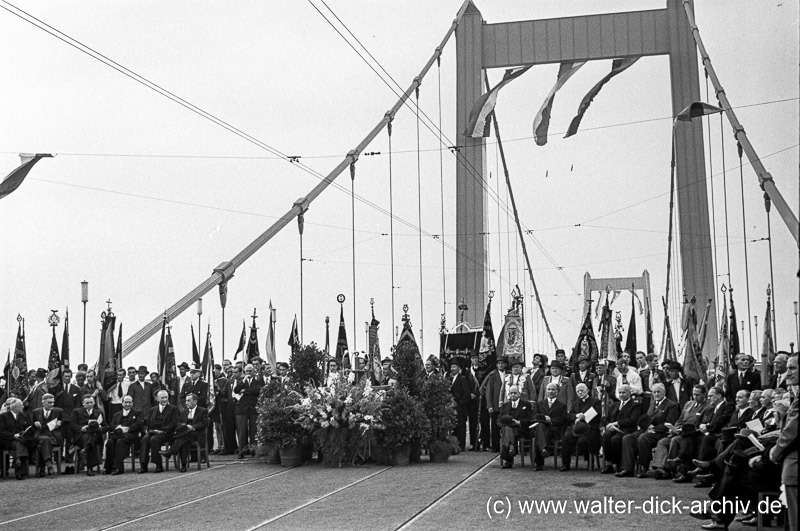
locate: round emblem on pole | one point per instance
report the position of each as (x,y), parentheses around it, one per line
(340,298)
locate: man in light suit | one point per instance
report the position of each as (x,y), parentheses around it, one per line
(48,420)
(191,428)
(491,389)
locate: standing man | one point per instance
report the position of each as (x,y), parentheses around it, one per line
(523,382)
(116,393)
(182,379)
(141,392)
(215,415)
(742,379)
(566,393)
(161,423)
(462,394)
(247,391)
(584,375)
(491,390)
(628,376)
(197,386)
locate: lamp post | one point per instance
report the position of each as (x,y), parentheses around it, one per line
(199,315)
(84,300)
(797,321)
(273,318)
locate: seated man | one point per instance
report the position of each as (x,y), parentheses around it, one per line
(515,416)
(14,423)
(161,423)
(622,420)
(48,421)
(586,431)
(710,446)
(191,428)
(88,427)
(124,432)
(550,420)
(654,425)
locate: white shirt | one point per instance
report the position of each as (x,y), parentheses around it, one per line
(634,381)
(191,413)
(514,404)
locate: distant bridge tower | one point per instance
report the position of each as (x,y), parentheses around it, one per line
(482,46)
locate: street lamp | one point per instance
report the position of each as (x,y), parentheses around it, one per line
(84,300)
(199,314)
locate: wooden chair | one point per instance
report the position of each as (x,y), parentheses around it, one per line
(56,458)
(4,462)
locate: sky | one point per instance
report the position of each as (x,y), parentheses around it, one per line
(144,197)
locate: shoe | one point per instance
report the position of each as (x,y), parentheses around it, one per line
(714,525)
(701,516)
(143,470)
(704,477)
(215,452)
(752,521)
(159,469)
(608,470)
(642,475)
(624,474)
(506,465)
(183,468)
(107,472)
(240,456)
(663,474)
(69,470)
(538,468)
(743,517)
(680,478)
(116,472)
(701,464)
(564,469)
(692,473)
(41,473)
(90,472)
(545,454)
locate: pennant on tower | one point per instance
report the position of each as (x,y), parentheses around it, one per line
(541,123)
(480,117)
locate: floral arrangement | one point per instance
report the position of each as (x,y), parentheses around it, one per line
(404,420)
(440,409)
(278,422)
(341,417)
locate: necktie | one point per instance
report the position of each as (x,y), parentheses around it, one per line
(625,379)
(741,378)
(119,390)
(46,414)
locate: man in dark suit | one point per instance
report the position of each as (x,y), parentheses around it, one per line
(583,375)
(741,379)
(191,428)
(679,388)
(215,415)
(662,413)
(462,394)
(515,416)
(247,390)
(161,423)
(719,417)
(779,376)
(696,412)
(651,375)
(491,390)
(142,392)
(199,388)
(68,399)
(13,426)
(88,427)
(124,431)
(586,431)
(551,417)
(566,393)
(48,421)
(622,420)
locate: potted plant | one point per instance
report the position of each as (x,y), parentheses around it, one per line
(278,425)
(440,410)
(306,365)
(404,422)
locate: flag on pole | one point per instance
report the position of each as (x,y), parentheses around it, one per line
(480,117)
(18,382)
(510,341)
(12,181)
(252,344)
(374,350)
(341,340)
(269,348)
(118,353)
(7,373)
(701,330)
(723,349)
(692,353)
(542,121)
(630,339)
(54,361)
(65,342)
(651,347)
(195,352)
(170,371)
(107,363)
(734,335)
(162,350)
(617,66)
(767,348)
(208,370)
(668,352)
(487,352)
(242,336)
(586,345)
(294,336)
(608,340)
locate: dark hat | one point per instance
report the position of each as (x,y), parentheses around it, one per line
(29,434)
(516,361)
(539,417)
(560,351)
(583,357)
(728,434)
(184,365)
(689,430)
(506,420)
(557,363)
(644,422)
(182,430)
(674,366)
(580,429)
(143,369)
(41,373)
(504,359)
(93,427)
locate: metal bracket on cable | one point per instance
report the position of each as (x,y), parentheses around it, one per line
(226,270)
(354,158)
(302,203)
(390,116)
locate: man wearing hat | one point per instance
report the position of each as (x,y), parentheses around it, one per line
(551,416)
(515,416)
(519,380)
(191,428)
(462,394)
(650,376)
(198,387)
(491,390)
(561,356)
(88,425)
(141,392)
(182,379)
(584,375)
(585,433)
(679,388)
(539,370)
(622,420)
(566,393)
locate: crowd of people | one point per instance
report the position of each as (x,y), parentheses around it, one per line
(73,415)
(648,421)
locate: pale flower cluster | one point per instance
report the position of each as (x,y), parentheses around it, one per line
(341,405)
